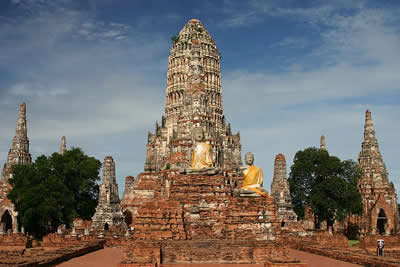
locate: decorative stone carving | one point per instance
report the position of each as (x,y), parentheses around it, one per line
(108,211)
(194,99)
(253,179)
(280,191)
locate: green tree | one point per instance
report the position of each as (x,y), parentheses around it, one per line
(80,174)
(325,183)
(54,190)
(39,196)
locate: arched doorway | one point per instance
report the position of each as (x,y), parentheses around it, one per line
(7,220)
(106,227)
(128,217)
(381,222)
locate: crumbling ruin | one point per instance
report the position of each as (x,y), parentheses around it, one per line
(18,154)
(281,193)
(108,211)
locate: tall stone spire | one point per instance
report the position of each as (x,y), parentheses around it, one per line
(323,143)
(370,157)
(18,154)
(280,191)
(193,99)
(108,211)
(19,151)
(378,194)
(63,145)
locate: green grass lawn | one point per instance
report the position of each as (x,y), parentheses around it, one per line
(353,242)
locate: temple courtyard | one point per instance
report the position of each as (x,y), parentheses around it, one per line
(200,198)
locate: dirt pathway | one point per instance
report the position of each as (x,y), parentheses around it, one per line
(109,257)
(106,257)
(313,260)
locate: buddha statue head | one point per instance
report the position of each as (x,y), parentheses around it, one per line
(198,134)
(249,158)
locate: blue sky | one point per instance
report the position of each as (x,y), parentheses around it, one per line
(95,71)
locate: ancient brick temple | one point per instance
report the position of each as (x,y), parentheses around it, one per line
(379,198)
(108,211)
(280,192)
(193,99)
(18,154)
(195,217)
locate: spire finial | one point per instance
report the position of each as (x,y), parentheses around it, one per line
(21,129)
(63,146)
(323,143)
(19,152)
(368,120)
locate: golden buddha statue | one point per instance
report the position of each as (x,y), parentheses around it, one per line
(253,179)
(200,157)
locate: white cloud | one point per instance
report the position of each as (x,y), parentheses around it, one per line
(88,91)
(30,90)
(104,86)
(291,42)
(355,60)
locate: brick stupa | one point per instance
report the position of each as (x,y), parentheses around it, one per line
(194,218)
(108,211)
(380,214)
(18,154)
(281,193)
(193,99)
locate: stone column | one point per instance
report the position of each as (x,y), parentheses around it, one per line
(63,146)
(2,228)
(323,143)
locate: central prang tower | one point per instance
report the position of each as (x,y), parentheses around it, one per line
(193,99)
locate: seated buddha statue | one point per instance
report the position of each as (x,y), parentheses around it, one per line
(253,179)
(200,157)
